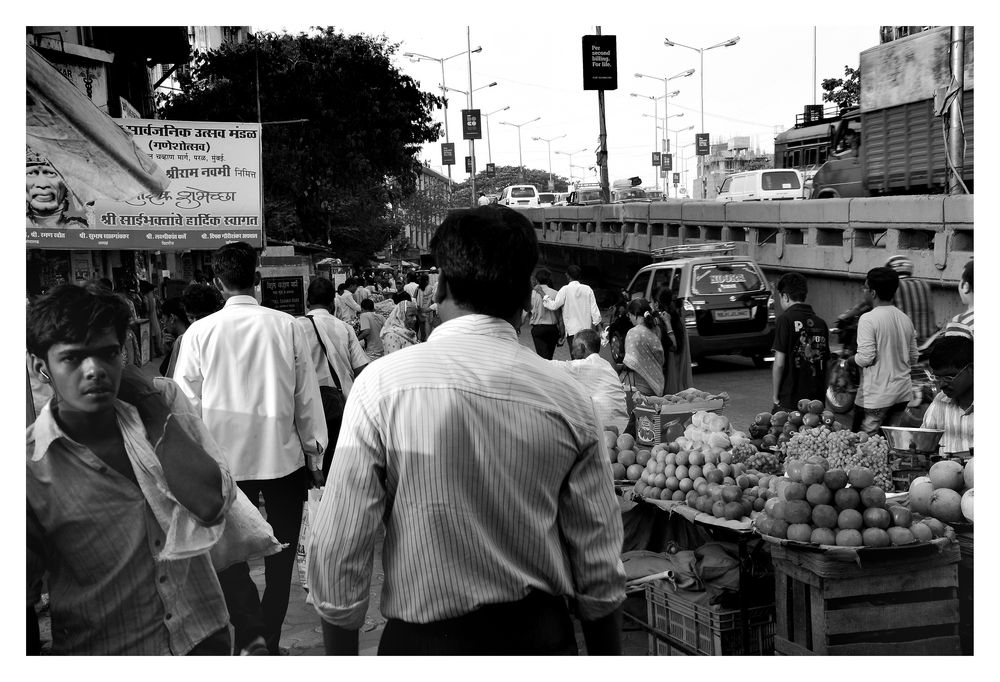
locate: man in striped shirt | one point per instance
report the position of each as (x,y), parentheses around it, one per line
(913,297)
(951,411)
(487,467)
(961,324)
(122,530)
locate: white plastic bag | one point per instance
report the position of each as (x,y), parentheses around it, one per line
(308,512)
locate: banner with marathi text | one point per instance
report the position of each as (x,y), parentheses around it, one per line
(214,196)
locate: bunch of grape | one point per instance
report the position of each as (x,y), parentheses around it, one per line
(819,441)
(764,462)
(743,451)
(872,453)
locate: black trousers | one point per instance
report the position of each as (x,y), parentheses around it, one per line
(538,625)
(216,644)
(250,615)
(545,337)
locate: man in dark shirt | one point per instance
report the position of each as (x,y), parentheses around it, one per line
(801,347)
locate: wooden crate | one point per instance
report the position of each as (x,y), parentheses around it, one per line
(907,606)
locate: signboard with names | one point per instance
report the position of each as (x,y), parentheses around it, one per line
(701,144)
(284,294)
(491,169)
(472,126)
(214,196)
(656,158)
(600,62)
(667,162)
(468,164)
(677,178)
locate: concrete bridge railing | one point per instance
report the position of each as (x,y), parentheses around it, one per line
(830,238)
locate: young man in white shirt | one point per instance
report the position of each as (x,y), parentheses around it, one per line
(248,370)
(578,303)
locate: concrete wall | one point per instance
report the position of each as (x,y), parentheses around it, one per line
(833,242)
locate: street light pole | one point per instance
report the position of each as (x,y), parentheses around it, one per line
(677,148)
(656,127)
(520,159)
(701,58)
(666,96)
(416,57)
(489,149)
(548,143)
(571,155)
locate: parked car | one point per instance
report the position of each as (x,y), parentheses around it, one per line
(546,198)
(727,302)
(763,185)
(519,195)
(585,195)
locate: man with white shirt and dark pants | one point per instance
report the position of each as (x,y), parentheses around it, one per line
(599,378)
(486,465)
(578,303)
(248,370)
(343,351)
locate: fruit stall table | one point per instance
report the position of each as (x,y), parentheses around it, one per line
(658,526)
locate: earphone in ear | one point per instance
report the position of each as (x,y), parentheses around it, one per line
(45,376)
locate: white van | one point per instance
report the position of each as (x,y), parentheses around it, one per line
(763,185)
(519,195)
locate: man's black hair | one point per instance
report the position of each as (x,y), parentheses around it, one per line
(423,280)
(794,285)
(589,339)
(411,277)
(201,300)
(543,276)
(967,274)
(884,282)
(235,264)
(951,352)
(574,271)
(401,296)
(70,313)
(485,256)
(320,292)
(174,306)
(367,305)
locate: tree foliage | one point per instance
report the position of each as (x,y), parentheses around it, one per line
(506,175)
(332,178)
(843,93)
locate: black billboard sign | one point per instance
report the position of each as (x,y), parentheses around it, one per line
(468,164)
(600,63)
(472,125)
(447,153)
(284,294)
(677,178)
(656,158)
(668,162)
(701,144)
(491,169)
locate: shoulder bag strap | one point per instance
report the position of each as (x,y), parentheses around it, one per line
(333,372)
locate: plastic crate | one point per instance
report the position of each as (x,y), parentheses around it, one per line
(709,631)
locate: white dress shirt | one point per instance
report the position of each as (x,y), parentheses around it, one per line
(487,466)
(347,308)
(341,344)
(579,306)
(248,370)
(412,288)
(601,381)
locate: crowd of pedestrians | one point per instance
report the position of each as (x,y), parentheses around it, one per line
(482,460)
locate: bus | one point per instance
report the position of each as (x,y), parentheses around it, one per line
(808,145)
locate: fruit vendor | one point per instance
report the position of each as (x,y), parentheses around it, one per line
(951,411)
(597,376)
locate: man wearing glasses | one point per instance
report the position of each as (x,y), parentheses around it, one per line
(951,411)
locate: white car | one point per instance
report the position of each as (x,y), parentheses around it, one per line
(519,195)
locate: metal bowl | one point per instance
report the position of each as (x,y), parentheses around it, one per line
(919,440)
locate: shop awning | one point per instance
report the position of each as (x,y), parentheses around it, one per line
(95,156)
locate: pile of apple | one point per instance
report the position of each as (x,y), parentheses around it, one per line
(945,493)
(770,430)
(830,506)
(627,462)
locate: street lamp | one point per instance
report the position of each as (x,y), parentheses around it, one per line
(656,127)
(520,161)
(489,151)
(417,57)
(548,144)
(666,95)
(677,147)
(571,155)
(701,56)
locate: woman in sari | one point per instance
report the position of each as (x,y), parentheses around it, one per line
(642,369)
(400,328)
(677,365)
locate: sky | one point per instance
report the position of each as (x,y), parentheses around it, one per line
(753,89)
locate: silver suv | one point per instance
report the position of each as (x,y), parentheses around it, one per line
(728,305)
